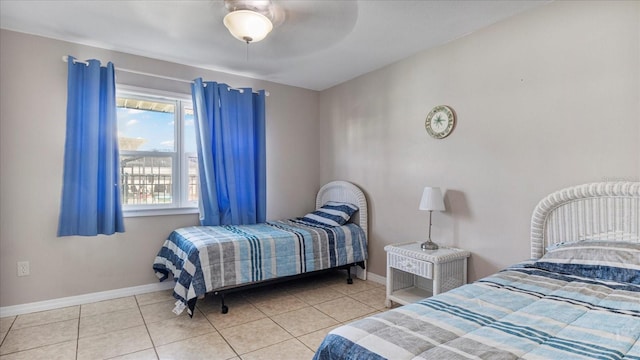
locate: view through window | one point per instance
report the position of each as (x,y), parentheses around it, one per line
(158,161)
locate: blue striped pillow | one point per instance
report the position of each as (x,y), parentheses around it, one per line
(606,260)
(332,213)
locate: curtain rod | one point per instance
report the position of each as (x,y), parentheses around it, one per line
(66,59)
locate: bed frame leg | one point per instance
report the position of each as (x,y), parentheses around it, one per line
(349,279)
(224,308)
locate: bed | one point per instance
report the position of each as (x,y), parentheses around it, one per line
(221,259)
(578,297)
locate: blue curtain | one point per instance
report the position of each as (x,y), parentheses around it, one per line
(230,134)
(91,185)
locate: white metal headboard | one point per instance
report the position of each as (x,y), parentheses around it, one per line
(346,192)
(597,211)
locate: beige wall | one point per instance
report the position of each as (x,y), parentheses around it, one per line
(544,100)
(32,134)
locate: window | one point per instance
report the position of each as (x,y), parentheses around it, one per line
(158,160)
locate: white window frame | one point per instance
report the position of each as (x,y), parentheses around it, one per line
(180,173)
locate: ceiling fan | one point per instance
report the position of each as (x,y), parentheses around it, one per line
(252,20)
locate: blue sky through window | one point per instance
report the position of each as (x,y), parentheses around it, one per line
(146,130)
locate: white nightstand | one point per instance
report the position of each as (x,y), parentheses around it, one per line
(414,274)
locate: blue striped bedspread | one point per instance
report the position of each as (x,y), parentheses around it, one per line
(518,313)
(208,258)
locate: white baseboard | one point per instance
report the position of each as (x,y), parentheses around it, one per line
(377,278)
(83,299)
(109,295)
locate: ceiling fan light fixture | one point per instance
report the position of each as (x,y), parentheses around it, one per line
(248,26)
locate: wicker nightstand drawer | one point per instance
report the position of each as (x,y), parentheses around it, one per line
(414,274)
(411,265)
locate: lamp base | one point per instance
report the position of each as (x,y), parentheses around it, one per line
(429,245)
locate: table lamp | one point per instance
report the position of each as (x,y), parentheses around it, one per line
(431,200)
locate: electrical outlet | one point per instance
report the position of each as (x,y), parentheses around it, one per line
(23,268)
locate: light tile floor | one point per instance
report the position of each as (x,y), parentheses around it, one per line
(285,321)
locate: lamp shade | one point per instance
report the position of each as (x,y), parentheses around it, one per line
(248,26)
(432,199)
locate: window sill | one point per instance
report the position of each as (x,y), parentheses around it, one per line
(158,212)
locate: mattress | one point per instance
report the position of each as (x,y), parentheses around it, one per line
(521,312)
(203,259)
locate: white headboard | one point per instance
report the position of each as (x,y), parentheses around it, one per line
(346,192)
(597,211)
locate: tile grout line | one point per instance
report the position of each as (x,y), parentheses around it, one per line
(126,328)
(38,325)
(279,342)
(297,337)
(275,322)
(28,327)
(78,334)
(215,330)
(111,311)
(342,295)
(218,332)
(153,345)
(9,329)
(266,317)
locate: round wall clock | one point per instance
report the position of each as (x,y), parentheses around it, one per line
(440,122)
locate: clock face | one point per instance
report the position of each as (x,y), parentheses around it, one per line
(440,122)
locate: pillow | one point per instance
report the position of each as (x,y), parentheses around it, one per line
(332,213)
(605,260)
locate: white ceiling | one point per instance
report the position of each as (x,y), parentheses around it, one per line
(320,43)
